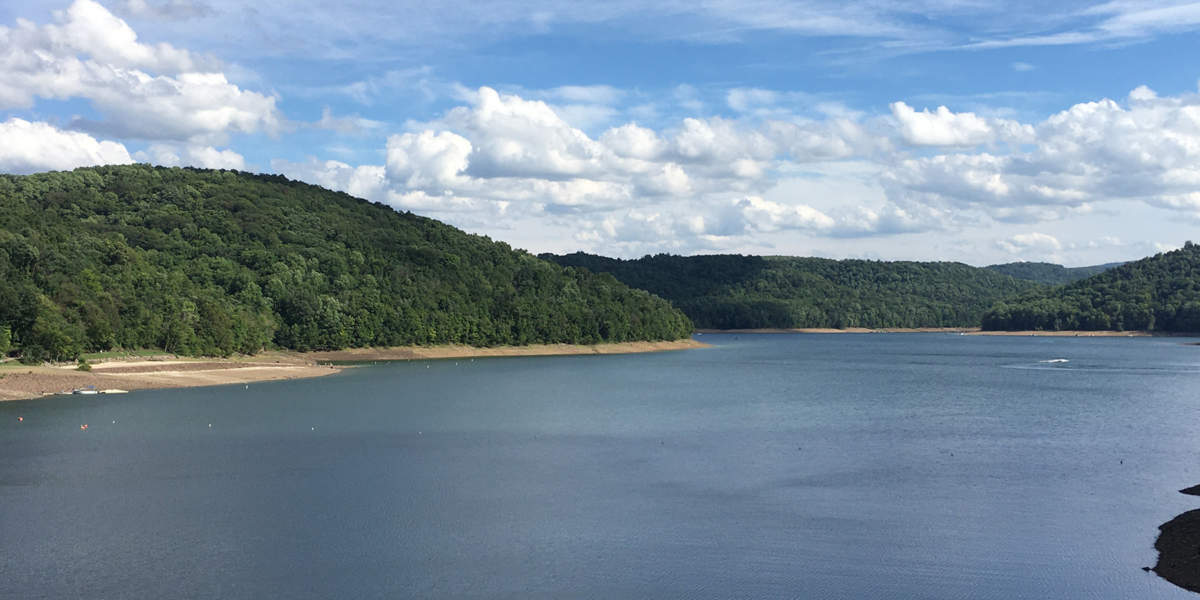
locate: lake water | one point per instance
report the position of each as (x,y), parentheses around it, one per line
(768,466)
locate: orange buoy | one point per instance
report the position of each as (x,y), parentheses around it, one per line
(20,419)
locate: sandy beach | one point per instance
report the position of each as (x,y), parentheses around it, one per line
(23,382)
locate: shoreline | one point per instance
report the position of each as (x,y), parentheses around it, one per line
(463,351)
(26,382)
(961,330)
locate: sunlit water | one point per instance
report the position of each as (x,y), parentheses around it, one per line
(768,466)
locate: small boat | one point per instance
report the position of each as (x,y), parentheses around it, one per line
(89,391)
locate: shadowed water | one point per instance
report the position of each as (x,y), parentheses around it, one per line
(811,466)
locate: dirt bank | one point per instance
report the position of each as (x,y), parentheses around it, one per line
(21,382)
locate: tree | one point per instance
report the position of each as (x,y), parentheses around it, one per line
(213,262)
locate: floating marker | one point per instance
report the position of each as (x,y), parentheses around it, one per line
(210,425)
(20,419)
(83,427)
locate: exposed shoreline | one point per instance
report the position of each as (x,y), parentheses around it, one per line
(962,330)
(461,351)
(25,382)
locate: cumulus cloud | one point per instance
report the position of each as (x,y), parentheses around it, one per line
(1146,150)
(143,91)
(765,216)
(427,161)
(695,182)
(86,27)
(32,147)
(945,128)
(632,141)
(700,182)
(512,136)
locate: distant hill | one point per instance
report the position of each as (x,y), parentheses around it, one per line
(734,292)
(214,262)
(1049,273)
(1159,293)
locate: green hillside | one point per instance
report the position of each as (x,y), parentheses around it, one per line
(1049,273)
(734,292)
(1159,293)
(215,262)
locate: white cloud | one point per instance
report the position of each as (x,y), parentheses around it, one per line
(88,28)
(945,128)
(765,216)
(190,155)
(198,106)
(32,147)
(154,92)
(522,138)
(427,161)
(1030,243)
(502,161)
(366,181)
(632,141)
(1093,152)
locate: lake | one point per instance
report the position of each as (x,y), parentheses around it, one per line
(767,466)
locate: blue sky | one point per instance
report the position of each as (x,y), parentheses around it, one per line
(938,130)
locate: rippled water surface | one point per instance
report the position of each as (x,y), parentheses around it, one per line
(807,466)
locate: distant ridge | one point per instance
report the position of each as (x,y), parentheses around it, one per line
(1159,293)
(754,292)
(196,261)
(1049,273)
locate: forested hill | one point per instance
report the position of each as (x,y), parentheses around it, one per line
(734,292)
(215,262)
(1159,293)
(1049,273)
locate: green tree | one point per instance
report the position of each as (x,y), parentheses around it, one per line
(215,262)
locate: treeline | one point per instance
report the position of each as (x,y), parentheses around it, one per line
(1159,293)
(735,292)
(205,262)
(1049,273)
